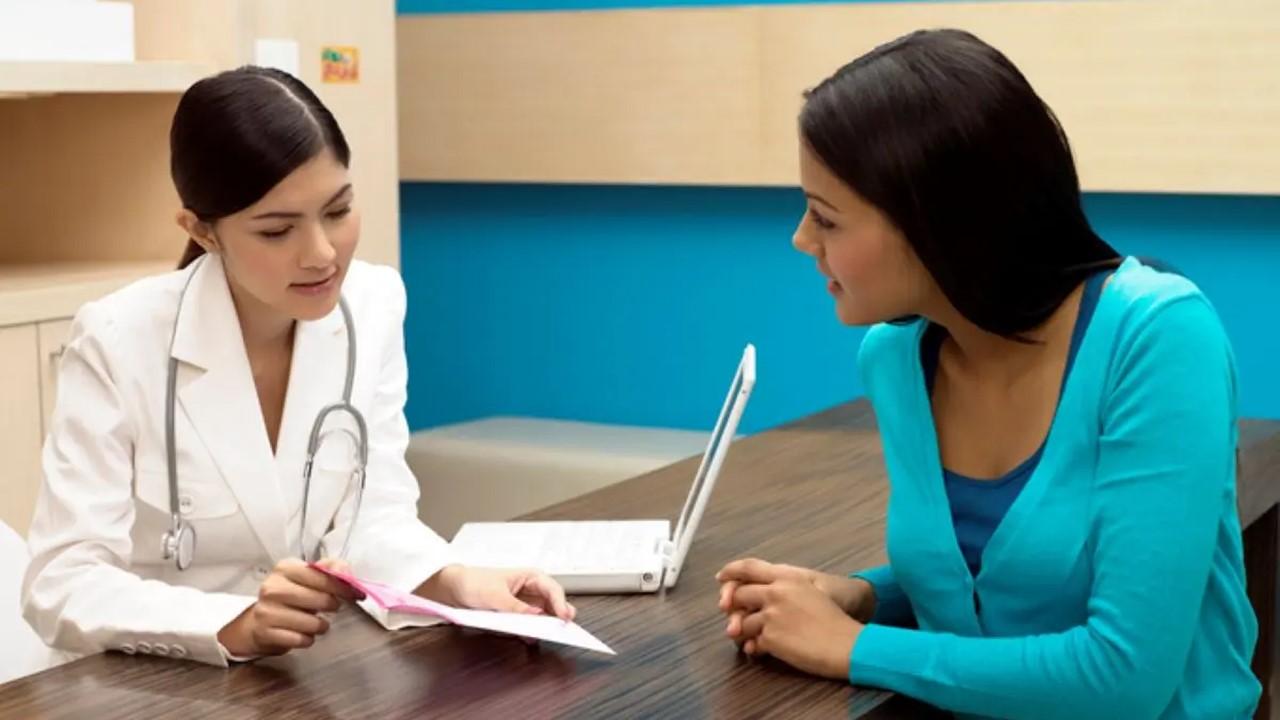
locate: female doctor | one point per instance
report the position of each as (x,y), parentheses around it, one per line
(179,503)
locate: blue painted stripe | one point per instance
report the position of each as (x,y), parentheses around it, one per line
(631,304)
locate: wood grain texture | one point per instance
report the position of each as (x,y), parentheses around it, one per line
(19,79)
(1258,499)
(812,492)
(86,179)
(634,96)
(1259,486)
(1171,96)
(1261,558)
(36,292)
(217,34)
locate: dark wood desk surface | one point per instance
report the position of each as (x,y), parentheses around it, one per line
(810,493)
(1258,490)
(1259,486)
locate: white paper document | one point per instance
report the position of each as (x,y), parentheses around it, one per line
(541,627)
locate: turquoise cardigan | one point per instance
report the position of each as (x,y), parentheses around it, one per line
(1114,587)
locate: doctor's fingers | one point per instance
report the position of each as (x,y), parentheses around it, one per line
(298,573)
(278,641)
(335,564)
(280,590)
(545,592)
(280,617)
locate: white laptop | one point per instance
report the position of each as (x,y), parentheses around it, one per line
(613,556)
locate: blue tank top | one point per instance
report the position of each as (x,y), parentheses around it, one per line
(978,506)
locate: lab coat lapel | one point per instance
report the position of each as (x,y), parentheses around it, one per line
(216,391)
(315,381)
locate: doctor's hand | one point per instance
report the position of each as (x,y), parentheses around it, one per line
(521,591)
(287,614)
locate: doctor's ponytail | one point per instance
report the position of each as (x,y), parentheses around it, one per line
(239,133)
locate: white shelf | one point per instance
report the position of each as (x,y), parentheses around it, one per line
(48,291)
(44,78)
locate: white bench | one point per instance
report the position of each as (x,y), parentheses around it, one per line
(500,467)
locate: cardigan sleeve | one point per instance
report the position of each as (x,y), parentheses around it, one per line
(892,605)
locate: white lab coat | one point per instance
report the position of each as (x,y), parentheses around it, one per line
(97,580)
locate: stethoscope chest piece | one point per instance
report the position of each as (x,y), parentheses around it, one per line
(179,544)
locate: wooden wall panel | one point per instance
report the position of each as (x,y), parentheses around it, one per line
(635,96)
(212,33)
(1170,96)
(86,177)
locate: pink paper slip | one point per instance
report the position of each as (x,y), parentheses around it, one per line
(541,627)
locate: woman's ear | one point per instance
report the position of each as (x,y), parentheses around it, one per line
(198,230)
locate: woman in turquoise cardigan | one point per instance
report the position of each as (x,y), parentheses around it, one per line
(1058,421)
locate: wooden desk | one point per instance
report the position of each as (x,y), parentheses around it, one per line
(811,493)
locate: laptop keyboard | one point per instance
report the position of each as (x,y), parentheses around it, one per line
(567,547)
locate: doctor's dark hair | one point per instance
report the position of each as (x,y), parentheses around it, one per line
(237,134)
(942,134)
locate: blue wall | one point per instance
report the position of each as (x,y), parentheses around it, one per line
(631,304)
(615,304)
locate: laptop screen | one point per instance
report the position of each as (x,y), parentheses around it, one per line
(721,435)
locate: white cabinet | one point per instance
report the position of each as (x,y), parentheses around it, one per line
(35,302)
(66,30)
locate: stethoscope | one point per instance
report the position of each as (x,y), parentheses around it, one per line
(179,542)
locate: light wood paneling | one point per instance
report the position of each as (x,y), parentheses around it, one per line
(212,33)
(636,96)
(26,78)
(1170,96)
(86,177)
(41,291)
(20,435)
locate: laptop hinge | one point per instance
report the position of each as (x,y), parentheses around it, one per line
(667,550)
